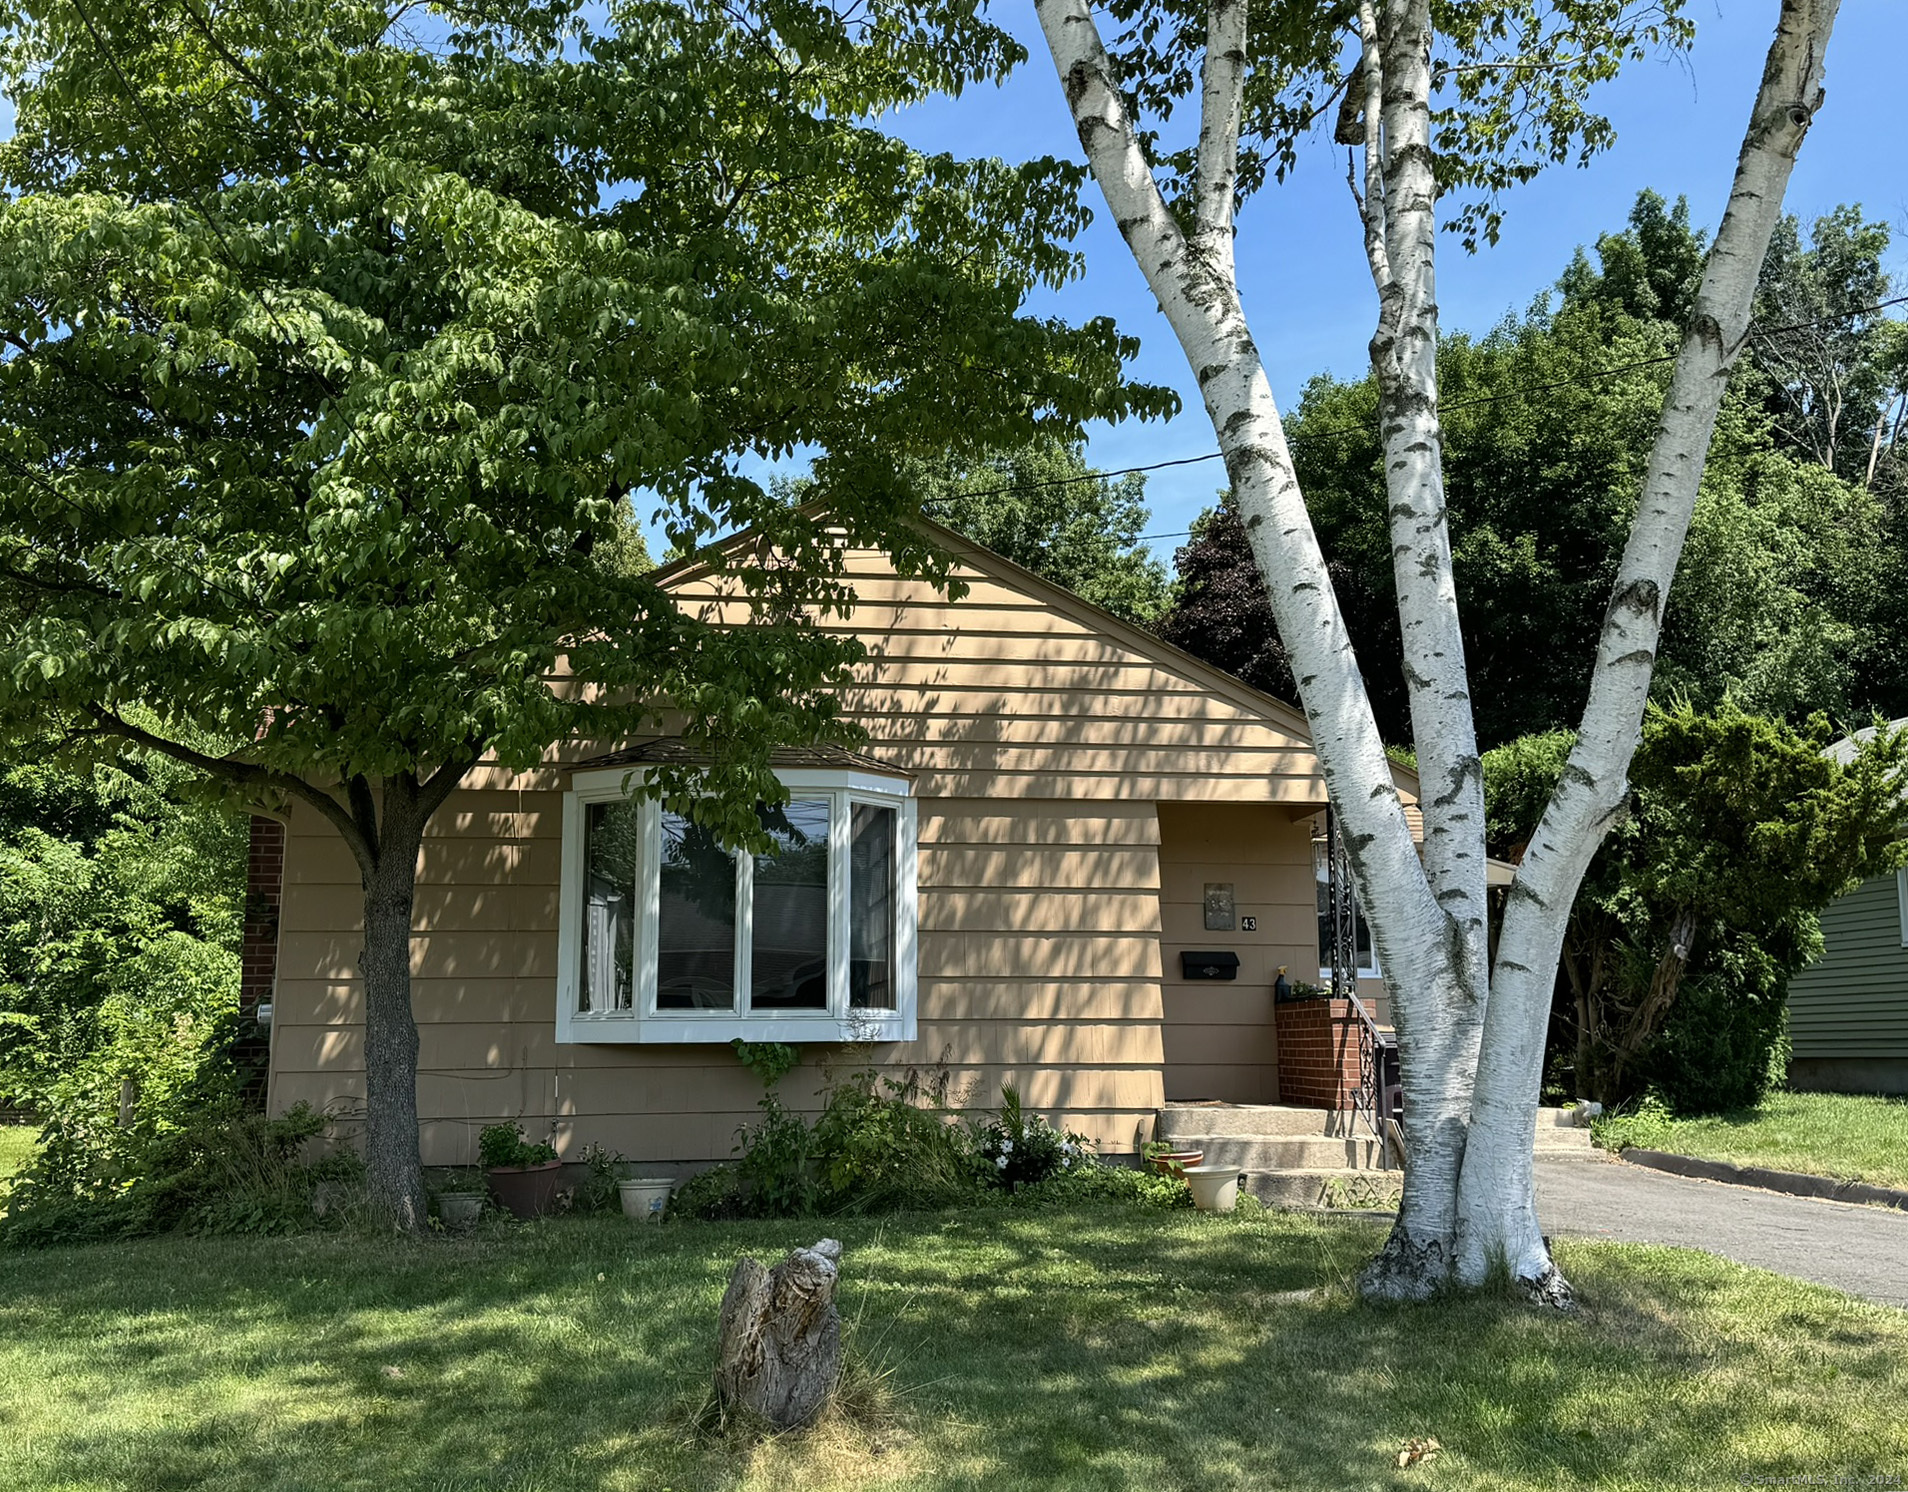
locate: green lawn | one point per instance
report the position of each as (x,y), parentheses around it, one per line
(1091,1349)
(1825,1134)
(16,1144)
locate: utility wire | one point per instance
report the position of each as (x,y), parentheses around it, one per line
(1520,392)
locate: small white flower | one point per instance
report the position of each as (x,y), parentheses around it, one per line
(1000,1163)
(1006,1147)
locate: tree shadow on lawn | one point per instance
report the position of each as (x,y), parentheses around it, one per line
(1116,1349)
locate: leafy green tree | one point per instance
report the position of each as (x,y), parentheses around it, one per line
(1649,271)
(1040,507)
(1825,360)
(338,339)
(1785,574)
(120,917)
(1703,903)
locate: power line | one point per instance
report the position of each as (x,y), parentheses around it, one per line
(1522,391)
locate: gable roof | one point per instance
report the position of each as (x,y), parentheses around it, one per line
(1277,712)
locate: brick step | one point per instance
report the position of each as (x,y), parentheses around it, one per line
(1177,1119)
(1326,1187)
(1282,1152)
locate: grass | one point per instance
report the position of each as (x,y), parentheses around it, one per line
(1103,1349)
(16,1146)
(1847,1136)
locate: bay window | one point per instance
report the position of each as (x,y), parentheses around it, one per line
(669,937)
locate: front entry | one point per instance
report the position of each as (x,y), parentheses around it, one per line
(1249,866)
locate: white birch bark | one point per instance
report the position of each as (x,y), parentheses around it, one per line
(1194,282)
(1497,1209)
(1440,1018)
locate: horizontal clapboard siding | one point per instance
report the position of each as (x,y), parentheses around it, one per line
(1853,1001)
(1039,966)
(1045,742)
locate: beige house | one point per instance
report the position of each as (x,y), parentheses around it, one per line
(1052,810)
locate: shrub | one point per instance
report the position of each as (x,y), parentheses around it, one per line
(226,1172)
(602,1169)
(1021,1149)
(1090,1180)
(1725,1043)
(874,1151)
(1645,1127)
(871,1149)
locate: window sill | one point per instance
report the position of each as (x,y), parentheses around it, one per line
(627,1030)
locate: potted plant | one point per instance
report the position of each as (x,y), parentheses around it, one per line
(460,1204)
(523,1177)
(1168,1161)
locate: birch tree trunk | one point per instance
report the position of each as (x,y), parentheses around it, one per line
(1497,1205)
(1191,273)
(1470,1030)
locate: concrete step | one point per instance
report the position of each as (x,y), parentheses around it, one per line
(1326,1187)
(1564,1118)
(1282,1152)
(1178,1119)
(1564,1141)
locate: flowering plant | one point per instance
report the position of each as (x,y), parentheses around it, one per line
(1019,1149)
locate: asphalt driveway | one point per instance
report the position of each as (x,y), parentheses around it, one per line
(1863,1250)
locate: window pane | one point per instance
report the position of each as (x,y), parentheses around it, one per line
(1361,930)
(695,935)
(871,907)
(609,859)
(788,957)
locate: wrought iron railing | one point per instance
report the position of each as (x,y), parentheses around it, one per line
(1371,1100)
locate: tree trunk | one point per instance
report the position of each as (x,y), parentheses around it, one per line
(1193,279)
(393,1167)
(778,1349)
(1497,1214)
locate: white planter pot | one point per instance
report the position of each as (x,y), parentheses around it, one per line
(645,1197)
(1214,1188)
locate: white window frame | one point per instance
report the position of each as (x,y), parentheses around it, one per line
(643,1022)
(1358,910)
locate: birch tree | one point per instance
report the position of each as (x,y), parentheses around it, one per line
(1463,100)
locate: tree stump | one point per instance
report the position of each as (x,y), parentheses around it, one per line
(779,1347)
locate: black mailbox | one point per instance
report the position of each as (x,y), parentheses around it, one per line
(1209,965)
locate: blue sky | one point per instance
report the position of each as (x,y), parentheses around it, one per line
(1679,125)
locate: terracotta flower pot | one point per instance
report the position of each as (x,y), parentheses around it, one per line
(527,1191)
(1172,1162)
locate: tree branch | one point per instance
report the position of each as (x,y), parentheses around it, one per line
(443,782)
(244,774)
(1371,204)
(1222,91)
